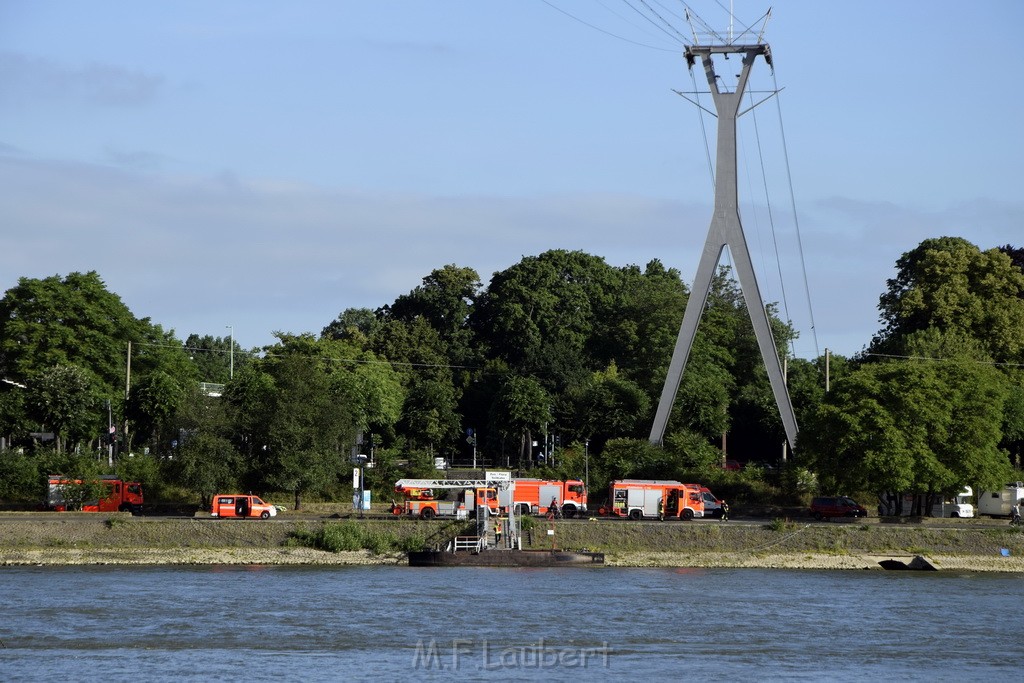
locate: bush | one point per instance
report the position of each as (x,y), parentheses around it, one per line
(350,536)
(780,525)
(336,538)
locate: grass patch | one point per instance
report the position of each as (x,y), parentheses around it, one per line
(351,536)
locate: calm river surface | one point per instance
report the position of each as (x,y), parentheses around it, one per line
(398,623)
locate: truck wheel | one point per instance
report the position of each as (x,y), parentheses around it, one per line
(687,514)
(636,515)
(568,512)
(265,514)
(817,516)
(427,513)
(954,513)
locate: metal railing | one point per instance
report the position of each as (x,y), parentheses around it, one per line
(472,543)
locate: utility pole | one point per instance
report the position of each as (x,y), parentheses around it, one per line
(127,393)
(231,352)
(725,231)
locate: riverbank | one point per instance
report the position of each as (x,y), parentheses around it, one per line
(89,539)
(311,557)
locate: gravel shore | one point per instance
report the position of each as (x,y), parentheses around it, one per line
(88,539)
(309,556)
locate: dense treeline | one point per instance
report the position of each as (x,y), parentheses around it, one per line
(560,352)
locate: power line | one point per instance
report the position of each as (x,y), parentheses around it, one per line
(796,218)
(601,30)
(771,221)
(673,33)
(955,361)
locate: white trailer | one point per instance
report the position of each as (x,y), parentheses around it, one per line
(998,503)
(909,504)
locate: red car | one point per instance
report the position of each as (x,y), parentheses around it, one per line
(836,506)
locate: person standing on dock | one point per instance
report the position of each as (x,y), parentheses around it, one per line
(497,532)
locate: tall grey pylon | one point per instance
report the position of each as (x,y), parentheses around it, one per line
(725,231)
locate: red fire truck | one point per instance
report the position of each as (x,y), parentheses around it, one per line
(655,498)
(106,493)
(534,496)
(459,497)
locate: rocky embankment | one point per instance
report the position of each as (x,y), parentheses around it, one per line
(962,545)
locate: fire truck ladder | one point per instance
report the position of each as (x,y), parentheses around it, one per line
(448,483)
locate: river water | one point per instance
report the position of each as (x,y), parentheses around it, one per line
(398,623)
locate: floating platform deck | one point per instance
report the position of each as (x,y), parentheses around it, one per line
(505,558)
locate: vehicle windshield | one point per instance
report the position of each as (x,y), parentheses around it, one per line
(849,501)
(257,501)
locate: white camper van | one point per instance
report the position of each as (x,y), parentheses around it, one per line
(998,503)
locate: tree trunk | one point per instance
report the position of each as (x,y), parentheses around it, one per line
(297,501)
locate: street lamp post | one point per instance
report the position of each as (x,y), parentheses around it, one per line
(358,483)
(231,352)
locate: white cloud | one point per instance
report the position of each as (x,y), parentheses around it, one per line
(198,253)
(23,76)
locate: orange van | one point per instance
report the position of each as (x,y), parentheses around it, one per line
(242,506)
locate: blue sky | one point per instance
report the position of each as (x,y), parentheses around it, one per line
(266,165)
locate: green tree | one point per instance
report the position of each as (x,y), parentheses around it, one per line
(910,426)
(521,408)
(429,417)
(949,284)
(299,408)
(63,398)
(152,405)
(539,316)
(75,321)
(608,406)
(352,323)
(1013,420)
(213,357)
(308,432)
(445,301)
(640,332)
(634,459)
(69,321)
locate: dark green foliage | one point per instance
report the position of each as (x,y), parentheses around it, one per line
(910,426)
(558,344)
(65,400)
(214,358)
(952,286)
